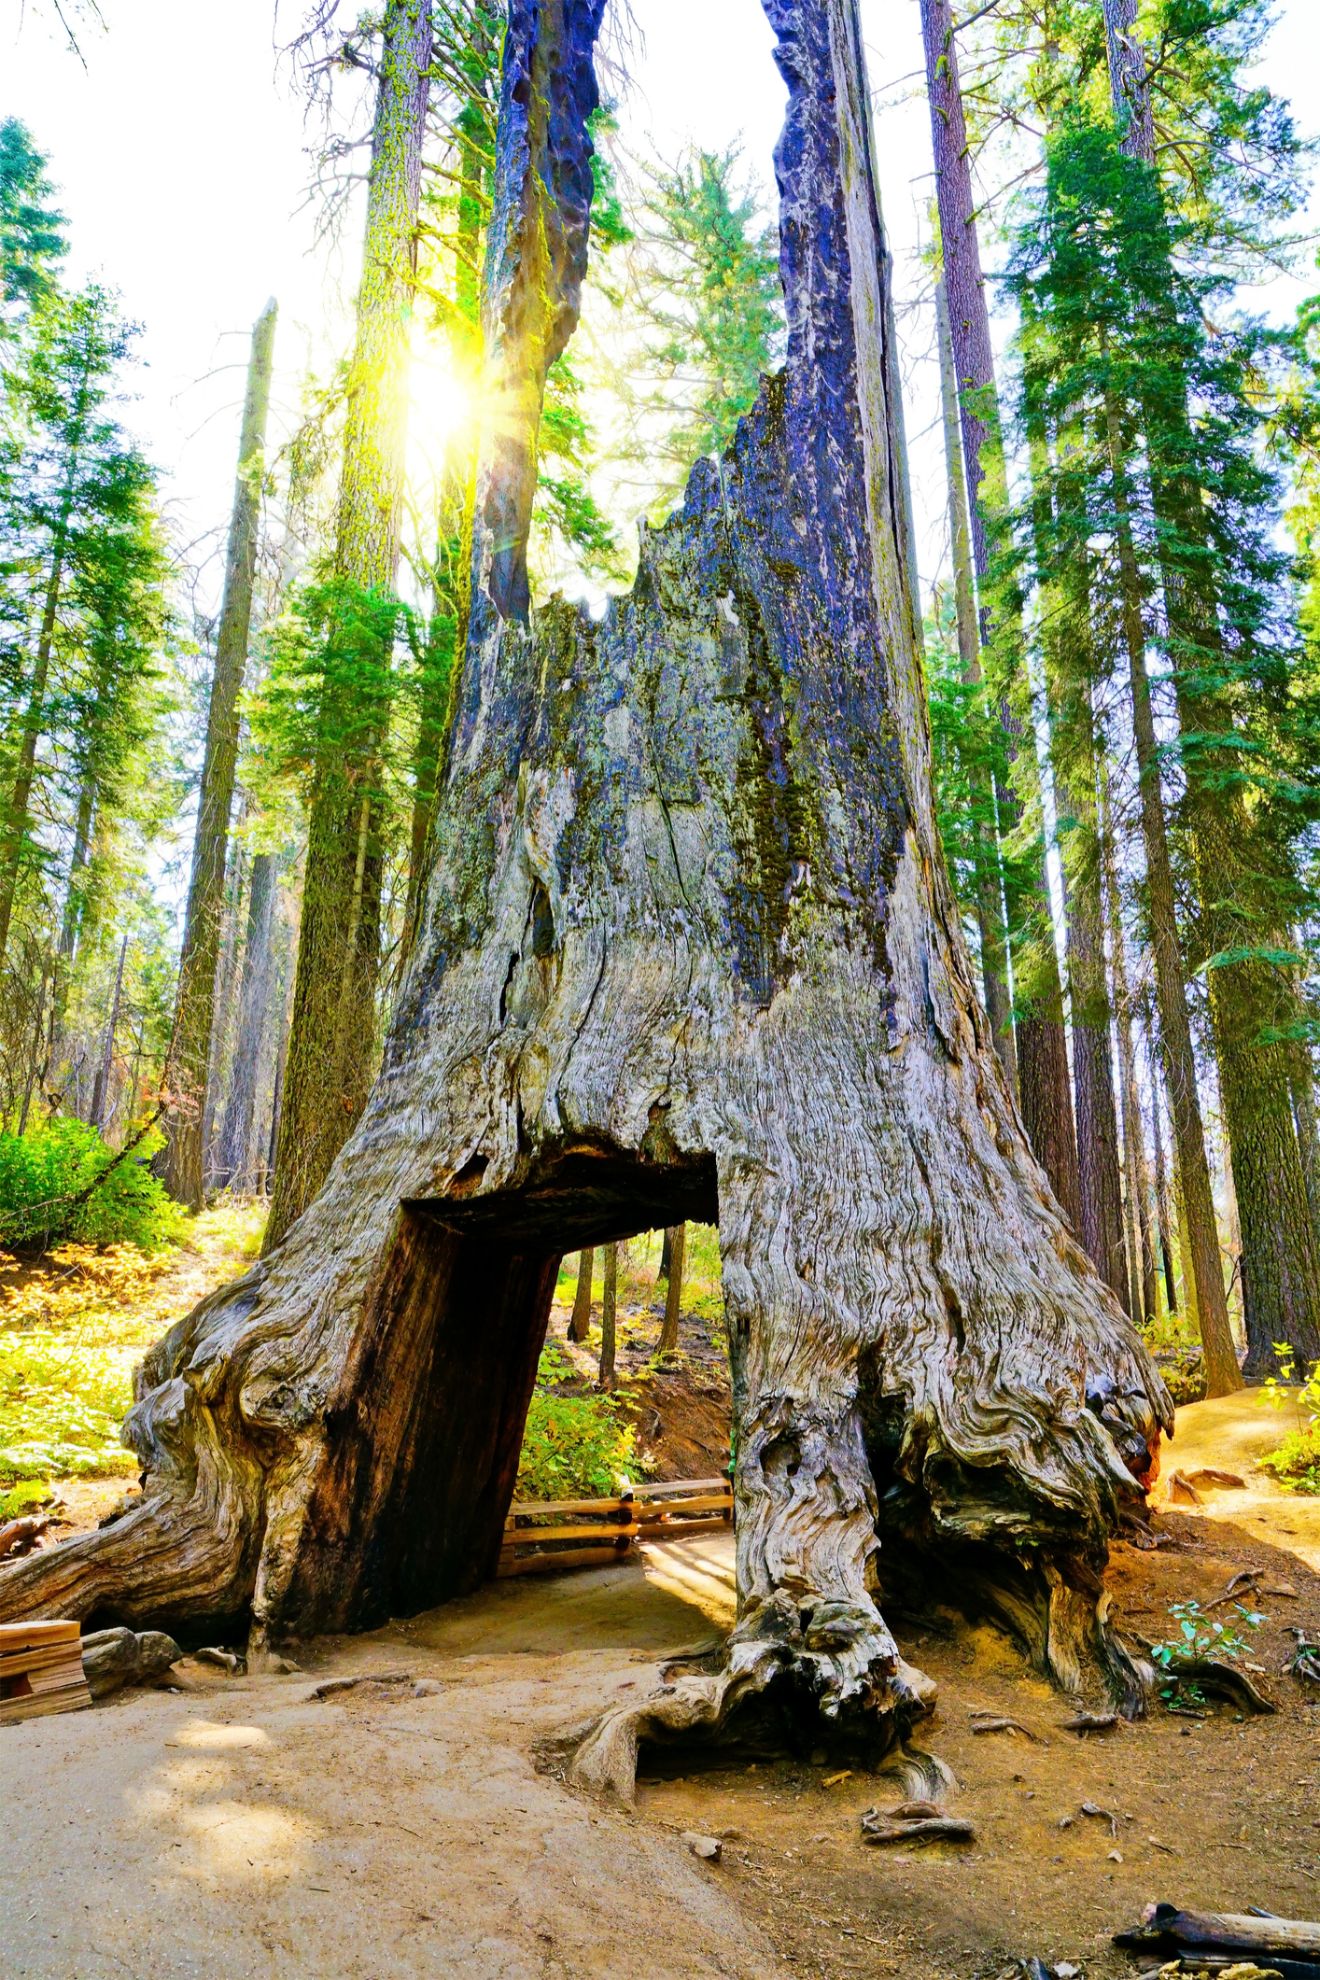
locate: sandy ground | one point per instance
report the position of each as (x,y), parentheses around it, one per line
(241,1827)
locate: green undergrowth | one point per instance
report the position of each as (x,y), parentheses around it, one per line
(1201,1636)
(580,1443)
(1176,1348)
(74,1325)
(1294,1464)
(575,1446)
(60,1181)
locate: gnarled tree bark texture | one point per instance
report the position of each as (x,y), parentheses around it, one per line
(675,971)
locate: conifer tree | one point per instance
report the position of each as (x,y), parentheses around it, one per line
(1042,1055)
(182,1160)
(332,1040)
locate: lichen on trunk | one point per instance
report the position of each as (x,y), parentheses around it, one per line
(678,971)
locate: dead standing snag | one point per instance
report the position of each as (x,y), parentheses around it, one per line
(676,969)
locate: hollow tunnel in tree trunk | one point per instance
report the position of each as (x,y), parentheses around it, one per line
(689,953)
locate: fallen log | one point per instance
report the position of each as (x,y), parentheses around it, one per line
(114,1658)
(335,1687)
(1164,1928)
(20,1536)
(1090,1722)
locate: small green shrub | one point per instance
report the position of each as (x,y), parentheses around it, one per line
(1201,1636)
(574,1446)
(45,1171)
(1295,1463)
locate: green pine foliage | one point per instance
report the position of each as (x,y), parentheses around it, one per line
(89,688)
(32,242)
(1114,316)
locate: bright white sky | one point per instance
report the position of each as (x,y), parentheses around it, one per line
(179,151)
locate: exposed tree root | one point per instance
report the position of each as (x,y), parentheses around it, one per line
(831,1674)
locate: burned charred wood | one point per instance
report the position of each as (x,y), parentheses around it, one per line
(673,971)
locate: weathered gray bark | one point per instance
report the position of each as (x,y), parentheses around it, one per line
(675,971)
(181,1160)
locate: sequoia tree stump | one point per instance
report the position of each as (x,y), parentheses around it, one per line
(689,954)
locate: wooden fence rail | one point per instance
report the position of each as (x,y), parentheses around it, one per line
(573,1533)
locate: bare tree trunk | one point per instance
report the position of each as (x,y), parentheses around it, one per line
(181,1160)
(1042,1051)
(1074,758)
(277,1082)
(579,1324)
(989,880)
(101,1088)
(333,1038)
(1308,1134)
(608,1312)
(1163,1218)
(677,1237)
(220,1063)
(33,1075)
(676,971)
(452,571)
(236,1156)
(1136,1194)
(1196,1198)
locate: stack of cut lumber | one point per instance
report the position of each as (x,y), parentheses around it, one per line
(41,1670)
(541,1538)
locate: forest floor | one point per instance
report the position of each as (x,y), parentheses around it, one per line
(73,1324)
(240,1826)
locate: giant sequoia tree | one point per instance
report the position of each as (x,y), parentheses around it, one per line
(673,970)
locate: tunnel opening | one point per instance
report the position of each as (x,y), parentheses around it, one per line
(429,1411)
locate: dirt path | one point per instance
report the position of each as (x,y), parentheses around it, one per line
(243,1828)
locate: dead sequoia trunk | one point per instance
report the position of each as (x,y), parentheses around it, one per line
(674,971)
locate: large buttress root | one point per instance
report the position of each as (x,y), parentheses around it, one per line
(688,951)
